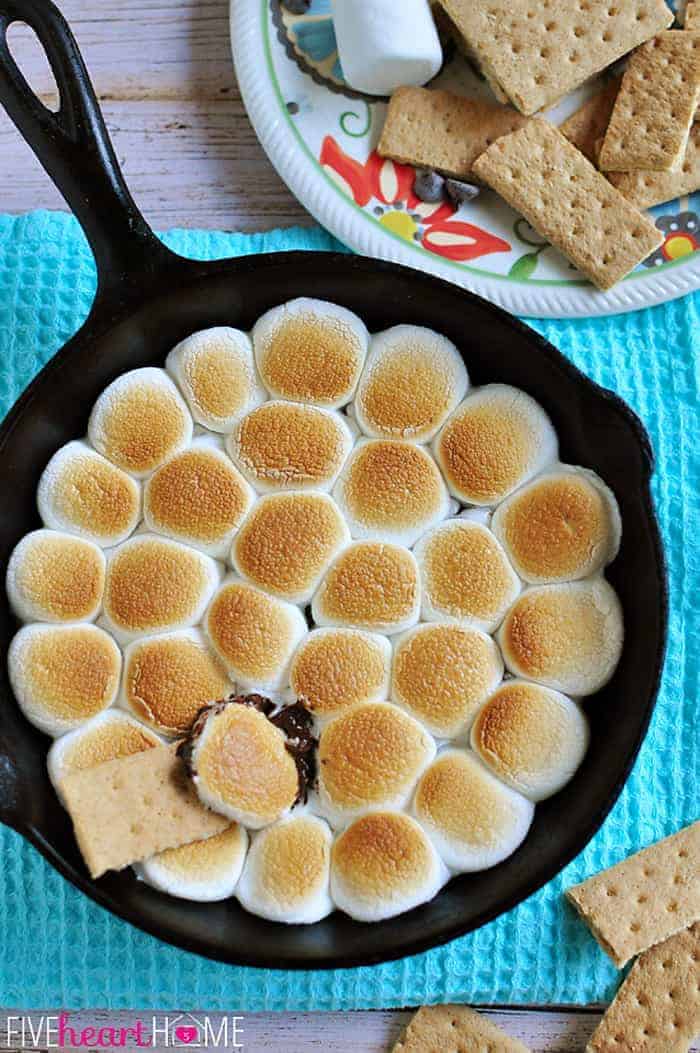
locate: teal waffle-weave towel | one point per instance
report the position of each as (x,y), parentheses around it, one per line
(58,949)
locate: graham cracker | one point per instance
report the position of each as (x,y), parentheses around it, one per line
(436,129)
(564,198)
(131,808)
(454,1029)
(645,189)
(645,899)
(535,52)
(655,106)
(586,127)
(692,15)
(657,1009)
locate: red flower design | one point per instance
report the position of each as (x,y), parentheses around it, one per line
(398,209)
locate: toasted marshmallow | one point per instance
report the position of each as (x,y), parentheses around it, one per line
(204,871)
(412,381)
(199,498)
(495,441)
(391,491)
(62,675)
(254,635)
(372,586)
(337,668)
(82,492)
(54,577)
(288,542)
(109,735)
(473,820)
(382,865)
(241,766)
(568,637)
(562,526)
(531,737)
(167,679)
(442,673)
(465,575)
(288,446)
(287,872)
(370,756)
(139,421)
(215,371)
(154,584)
(310,351)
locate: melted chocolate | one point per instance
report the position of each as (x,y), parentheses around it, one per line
(297,724)
(294,721)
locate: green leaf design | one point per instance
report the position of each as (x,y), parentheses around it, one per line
(524,268)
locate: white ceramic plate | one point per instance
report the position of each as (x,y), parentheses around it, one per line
(321,138)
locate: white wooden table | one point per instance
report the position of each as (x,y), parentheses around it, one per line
(163,73)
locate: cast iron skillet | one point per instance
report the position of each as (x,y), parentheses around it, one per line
(147,300)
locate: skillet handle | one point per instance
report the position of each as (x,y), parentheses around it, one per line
(74,147)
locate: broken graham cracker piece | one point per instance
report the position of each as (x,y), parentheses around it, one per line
(561,195)
(655,106)
(587,126)
(454,1029)
(131,808)
(692,15)
(442,131)
(535,53)
(646,189)
(644,899)
(657,1009)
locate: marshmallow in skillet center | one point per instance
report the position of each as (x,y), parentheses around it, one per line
(383,45)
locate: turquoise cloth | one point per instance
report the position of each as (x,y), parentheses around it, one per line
(58,949)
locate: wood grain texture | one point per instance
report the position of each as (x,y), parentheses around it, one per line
(544,1031)
(164,75)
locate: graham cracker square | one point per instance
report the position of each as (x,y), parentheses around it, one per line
(534,53)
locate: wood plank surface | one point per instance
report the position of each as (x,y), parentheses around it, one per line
(164,75)
(542,1030)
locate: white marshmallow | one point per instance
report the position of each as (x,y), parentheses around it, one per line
(391,491)
(370,756)
(474,821)
(82,492)
(286,876)
(155,584)
(289,446)
(336,668)
(412,380)
(531,737)
(55,577)
(498,438)
(254,634)
(384,864)
(109,735)
(383,45)
(139,421)
(465,574)
(288,541)
(562,526)
(310,351)
(568,636)
(203,871)
(62,675)
(215,370)
(169,677)
(198,497)
(371,585)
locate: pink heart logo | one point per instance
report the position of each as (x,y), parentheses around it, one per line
(186,1034)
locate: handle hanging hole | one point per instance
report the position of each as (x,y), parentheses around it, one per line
(30,56)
